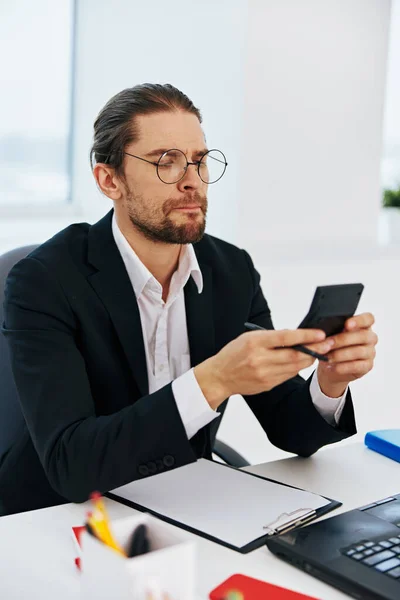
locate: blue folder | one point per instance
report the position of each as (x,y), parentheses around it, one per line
(385,441)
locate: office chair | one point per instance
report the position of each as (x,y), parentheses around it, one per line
(11,418)
(229,455)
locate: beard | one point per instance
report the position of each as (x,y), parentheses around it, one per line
(157,225)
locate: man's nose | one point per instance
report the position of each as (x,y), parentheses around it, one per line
(191,179)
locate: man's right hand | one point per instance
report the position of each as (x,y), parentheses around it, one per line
(255,362)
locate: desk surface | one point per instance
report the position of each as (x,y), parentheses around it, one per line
(36,550)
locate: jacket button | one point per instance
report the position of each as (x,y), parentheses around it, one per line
(159,465)
(152,467)
(143,470)
(168,460)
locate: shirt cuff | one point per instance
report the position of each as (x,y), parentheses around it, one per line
(329,408)
(193,408)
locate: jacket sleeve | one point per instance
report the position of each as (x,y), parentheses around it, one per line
(287,413)
(79,451)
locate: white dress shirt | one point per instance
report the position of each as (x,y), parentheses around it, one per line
(166,340)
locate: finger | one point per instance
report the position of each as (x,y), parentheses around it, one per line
(293,369)
(352,353)
(280,359)
(360,322)
(322,347)
(290,357)
(354,338)
(355,368)
(288,337)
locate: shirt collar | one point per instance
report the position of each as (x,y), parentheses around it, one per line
(139,274)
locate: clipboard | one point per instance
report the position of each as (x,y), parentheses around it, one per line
(156,494)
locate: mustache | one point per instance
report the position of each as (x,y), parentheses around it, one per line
(187,200)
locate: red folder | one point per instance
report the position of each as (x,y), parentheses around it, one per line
(254,589)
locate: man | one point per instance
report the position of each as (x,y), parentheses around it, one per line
(127,337)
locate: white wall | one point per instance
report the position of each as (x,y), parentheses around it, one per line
(312,122)
(391,154)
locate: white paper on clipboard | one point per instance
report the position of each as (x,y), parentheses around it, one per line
(231,505)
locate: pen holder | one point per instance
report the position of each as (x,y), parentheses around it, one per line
(168,568)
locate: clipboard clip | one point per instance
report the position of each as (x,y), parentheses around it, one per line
(287,521)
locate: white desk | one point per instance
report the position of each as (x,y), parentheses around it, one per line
(36,550)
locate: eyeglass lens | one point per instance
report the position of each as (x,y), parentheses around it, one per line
(173,164)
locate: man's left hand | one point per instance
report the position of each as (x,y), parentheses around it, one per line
(351,357)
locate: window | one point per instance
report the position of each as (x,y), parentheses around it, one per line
(36,46)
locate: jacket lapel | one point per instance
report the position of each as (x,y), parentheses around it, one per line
(200,324)
(199,317)
(112,284)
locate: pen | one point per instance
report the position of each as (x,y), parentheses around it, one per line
(299,347)
(139,543)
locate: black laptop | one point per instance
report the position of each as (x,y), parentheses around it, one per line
(357,551)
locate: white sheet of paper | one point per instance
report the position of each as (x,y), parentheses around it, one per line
(226,503)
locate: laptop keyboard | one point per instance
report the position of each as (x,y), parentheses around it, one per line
(382,555)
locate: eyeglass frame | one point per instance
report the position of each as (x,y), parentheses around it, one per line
(156,164)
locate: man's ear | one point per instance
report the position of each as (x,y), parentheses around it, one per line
(107,181)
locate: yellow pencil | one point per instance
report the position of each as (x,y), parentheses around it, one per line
(103,533)
(99,521)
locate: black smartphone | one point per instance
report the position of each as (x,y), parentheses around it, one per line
(331,306)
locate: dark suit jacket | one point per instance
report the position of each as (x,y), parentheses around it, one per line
(74,332)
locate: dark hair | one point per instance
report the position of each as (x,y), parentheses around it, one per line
(114,127)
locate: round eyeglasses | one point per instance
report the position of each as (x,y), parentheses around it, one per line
(173,164)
